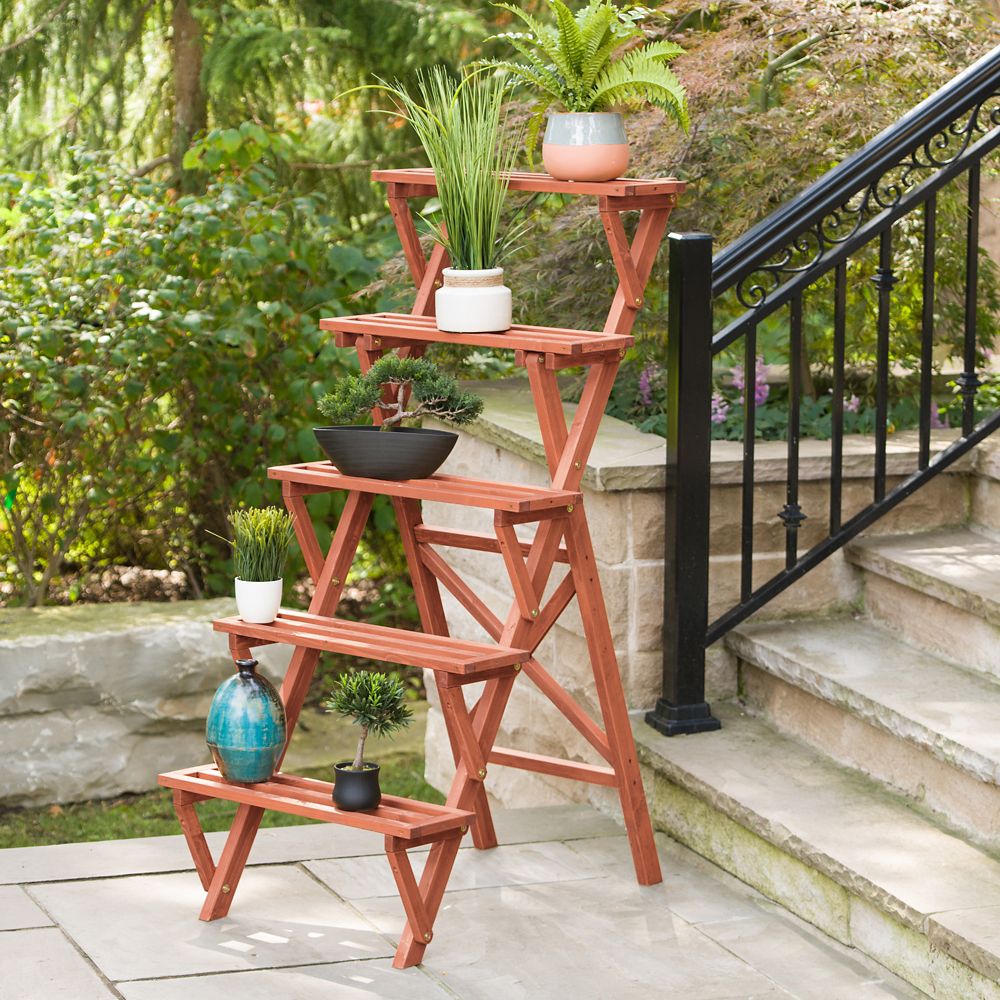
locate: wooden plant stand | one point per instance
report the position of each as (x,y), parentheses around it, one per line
(562,536)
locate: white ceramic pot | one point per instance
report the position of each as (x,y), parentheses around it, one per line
(258,603)
(473,302)
(585,146)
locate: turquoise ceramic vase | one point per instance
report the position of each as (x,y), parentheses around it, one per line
(246,726)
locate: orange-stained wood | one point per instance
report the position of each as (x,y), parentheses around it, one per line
(191,827)
(575,770)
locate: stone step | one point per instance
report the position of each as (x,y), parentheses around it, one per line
(834,847)
(941,589)
(923,725)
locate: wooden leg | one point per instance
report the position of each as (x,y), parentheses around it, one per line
(294,689)
(433,621)
(433,883)
(231,864)
(197,845)
(607,680)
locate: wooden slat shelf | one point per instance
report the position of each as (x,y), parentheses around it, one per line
(407,819)
(375,642)
(512,497)
(383,330)
(621,187)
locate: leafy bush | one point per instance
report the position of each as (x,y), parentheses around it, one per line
(375,701)
(157,354)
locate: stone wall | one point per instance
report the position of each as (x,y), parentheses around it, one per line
(623,494)
(96,700)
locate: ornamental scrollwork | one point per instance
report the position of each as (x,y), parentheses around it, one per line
(808,248)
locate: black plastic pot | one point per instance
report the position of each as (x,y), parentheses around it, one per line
(402,453)
(356,791)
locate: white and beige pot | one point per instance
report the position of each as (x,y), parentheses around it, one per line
(258,602)
(585,146)
(473,302)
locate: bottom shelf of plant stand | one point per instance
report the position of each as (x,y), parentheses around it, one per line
(405,819)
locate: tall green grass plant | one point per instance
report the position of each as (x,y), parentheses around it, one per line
(261,537)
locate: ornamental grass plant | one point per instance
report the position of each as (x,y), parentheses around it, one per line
(261,537)
(463,128)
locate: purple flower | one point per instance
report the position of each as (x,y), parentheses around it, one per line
(853,404)
(645,384)
(720,408)
(937,421)
(761,390)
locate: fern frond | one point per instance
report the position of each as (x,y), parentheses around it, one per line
(535,123)
(544,36)
(631,80)
(547,83)
(542,69)
(661,51)
(570,42)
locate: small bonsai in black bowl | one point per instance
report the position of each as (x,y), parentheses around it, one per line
(401,389)
(377,703)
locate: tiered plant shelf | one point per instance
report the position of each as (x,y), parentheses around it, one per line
(562,537)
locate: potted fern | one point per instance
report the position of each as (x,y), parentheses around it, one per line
(261,537)
(377,704)
(589,64)
(462,126)
(400,389)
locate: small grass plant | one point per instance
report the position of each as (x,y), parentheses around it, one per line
(374,701)
(261,537)
(432,392)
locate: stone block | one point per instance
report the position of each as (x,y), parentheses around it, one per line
(646,524)
(96,700)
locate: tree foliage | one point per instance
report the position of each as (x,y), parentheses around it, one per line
(374,701)
(432,392)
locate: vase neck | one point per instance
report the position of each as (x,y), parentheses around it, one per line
(246,667)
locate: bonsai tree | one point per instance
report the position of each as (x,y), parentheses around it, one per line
(431,392)
(261,537)
(595,60)
(376,702)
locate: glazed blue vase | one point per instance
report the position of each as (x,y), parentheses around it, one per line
(246,726)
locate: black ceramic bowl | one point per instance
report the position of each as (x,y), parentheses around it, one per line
(402,453)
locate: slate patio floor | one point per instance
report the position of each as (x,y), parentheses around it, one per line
(553,913)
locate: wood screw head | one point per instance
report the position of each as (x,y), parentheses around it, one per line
(437,284)
(225,888)
(569,508)
(482,772)
(517,667)
(464,829)
(427,935)
(377,341)
(576,464)
(335,582)
(638,301)
(534,612)
(541,359)
(621,352)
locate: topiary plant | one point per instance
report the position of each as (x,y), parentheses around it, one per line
(432,392)
(578,62)
(376,702)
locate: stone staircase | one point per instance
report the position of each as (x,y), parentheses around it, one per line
(855,779)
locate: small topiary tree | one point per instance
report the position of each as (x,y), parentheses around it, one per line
(376,702)
(432,392)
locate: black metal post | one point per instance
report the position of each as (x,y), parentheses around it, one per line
(683,708)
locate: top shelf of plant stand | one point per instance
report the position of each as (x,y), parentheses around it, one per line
(418,181)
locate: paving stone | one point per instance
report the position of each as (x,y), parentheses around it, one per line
(148,855)
(149,925)
(522,864)
(593,939)
(808,967)
(18,910)
(42,965)
(375,980)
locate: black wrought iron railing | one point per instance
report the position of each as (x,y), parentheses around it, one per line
(879,209)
